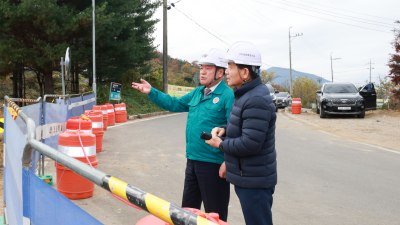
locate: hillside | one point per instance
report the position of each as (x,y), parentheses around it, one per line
(283,75)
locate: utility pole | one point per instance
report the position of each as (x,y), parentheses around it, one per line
(94,52)
(332,65)
(370,68)
(290,56)
(165,48)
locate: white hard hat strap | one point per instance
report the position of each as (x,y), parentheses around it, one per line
(215,76)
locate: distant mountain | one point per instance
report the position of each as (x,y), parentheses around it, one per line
(284,75)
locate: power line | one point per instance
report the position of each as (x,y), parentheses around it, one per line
(201,26)
(322,18)
(210,32)
(317,49)
(391,25)
(348,10)
(255,12)
(249,32)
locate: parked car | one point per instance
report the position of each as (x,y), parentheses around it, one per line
(283,100)
(272,92)
(369,94)
(344,98)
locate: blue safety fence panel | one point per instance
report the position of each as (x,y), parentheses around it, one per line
(14,144)
(55,116)
(48,206)
(75,107)
(90,100)
(15,139)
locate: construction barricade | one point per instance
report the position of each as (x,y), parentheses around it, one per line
(120,113)
(30,200)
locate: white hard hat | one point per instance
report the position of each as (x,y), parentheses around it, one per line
(245,53)
(213,58)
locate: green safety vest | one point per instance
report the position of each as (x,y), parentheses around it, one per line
(204,115)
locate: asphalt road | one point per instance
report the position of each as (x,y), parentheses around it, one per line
(322,178)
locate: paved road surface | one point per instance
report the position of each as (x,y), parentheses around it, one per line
(322,178)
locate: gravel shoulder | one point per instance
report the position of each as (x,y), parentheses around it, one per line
(380,127)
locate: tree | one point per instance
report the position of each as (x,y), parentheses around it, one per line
(186,68)
(267,77)
(394,63)
(384,88)
(305,88)
(35,34)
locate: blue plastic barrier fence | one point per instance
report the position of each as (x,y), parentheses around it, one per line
(78,105)
(55,116)
(14,141)
(90,101)
(28,199)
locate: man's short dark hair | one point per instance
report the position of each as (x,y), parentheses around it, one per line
(253,74)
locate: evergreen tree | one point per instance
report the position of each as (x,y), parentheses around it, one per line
(34,35)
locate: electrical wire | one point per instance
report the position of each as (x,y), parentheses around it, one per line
(323,18)
(201,26)
(347,10)
(328,12)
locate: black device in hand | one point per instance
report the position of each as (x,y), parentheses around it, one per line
(208,136)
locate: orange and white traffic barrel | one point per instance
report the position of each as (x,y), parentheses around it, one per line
(296,106)
(120,113)
(103,108)
(70,184)
(97,129)
(152,220)
(85,125)
(111,114)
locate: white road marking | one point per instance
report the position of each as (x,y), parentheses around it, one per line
(329,133)
(358,142)
(303,120)
(142,120)
(374,146)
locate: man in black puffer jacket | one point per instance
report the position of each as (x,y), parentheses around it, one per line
(249,146)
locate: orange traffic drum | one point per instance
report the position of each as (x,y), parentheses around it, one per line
(111,114)
(213,217)
(70,184)
(78,123)
(120,113)
(103,108)
(296,106)
(97,128)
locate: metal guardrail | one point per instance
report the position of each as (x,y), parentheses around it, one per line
(156,206)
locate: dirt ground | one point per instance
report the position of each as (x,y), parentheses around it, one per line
(379,127)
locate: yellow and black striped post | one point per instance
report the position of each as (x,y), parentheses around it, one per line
(160,208)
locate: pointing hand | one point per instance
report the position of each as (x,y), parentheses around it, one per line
(144,87)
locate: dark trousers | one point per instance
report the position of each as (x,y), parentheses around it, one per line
(203,184)
(256,204)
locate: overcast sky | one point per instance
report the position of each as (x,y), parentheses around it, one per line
(266,23)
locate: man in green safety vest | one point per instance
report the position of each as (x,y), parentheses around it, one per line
(208,106)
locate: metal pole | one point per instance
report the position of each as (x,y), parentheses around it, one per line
(370,70)
(290,60)
(165,49)
(62,72)
(94,52)
(331,67)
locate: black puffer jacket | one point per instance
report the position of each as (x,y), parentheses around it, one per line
(249,146)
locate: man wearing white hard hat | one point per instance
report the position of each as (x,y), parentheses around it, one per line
(249,143)
(208,106)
